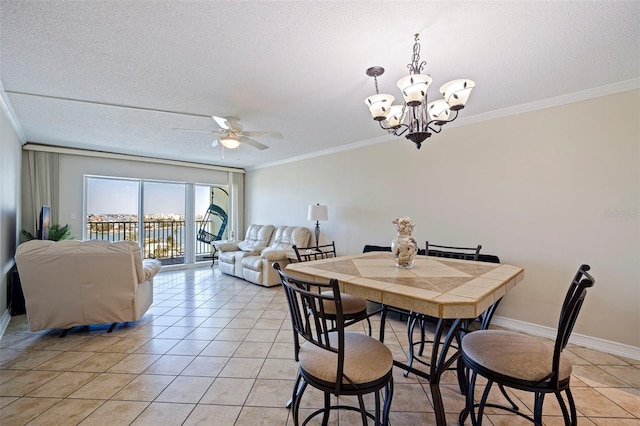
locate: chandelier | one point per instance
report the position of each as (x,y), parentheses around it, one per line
(417,118)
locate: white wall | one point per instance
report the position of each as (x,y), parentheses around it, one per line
(546,190)
(10,225)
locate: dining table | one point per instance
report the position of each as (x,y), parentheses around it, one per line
(455,292)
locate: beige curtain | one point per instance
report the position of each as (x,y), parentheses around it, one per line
(43,175)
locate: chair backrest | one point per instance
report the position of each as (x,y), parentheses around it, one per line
(569,313)
(452,252)
(203,234)
(490,258)
(307,302)
(369,248)
(306,254)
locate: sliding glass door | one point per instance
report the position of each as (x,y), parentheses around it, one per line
(175,222)
(163,229)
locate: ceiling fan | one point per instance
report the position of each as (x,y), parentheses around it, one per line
(232,135)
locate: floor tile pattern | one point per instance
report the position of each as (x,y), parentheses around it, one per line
(216,350)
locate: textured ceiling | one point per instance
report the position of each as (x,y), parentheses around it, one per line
(292,67)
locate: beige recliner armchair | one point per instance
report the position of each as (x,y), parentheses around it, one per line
(231,253)
(71,283)
(257,268)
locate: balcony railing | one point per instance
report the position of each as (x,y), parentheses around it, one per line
(162,239)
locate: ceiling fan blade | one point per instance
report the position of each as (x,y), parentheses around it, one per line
(253,143)
(258,133)
(222,122)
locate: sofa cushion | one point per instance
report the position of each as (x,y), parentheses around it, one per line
(257,238)
(287,236)
(229,256)
(252,262)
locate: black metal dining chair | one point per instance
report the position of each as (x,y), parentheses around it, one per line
(354,308)
(370,247)
(332,360)
(519,361)
(421,320)
(307,254)
(452,252)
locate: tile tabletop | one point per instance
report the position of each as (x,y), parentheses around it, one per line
(439,287)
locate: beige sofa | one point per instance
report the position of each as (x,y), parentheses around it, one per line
(71,283)
(252,261)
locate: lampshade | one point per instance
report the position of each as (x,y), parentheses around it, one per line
(379,105)
(317,212)
(456,92)
(396,115)
(230,142)
(414,88)
(439,111)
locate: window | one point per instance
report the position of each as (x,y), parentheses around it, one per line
(112,209)
(168,219)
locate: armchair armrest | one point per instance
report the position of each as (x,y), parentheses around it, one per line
(274,254)
(227,246)
(150,268)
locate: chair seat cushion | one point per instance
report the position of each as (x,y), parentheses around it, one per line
(513,354)
(365,359)
(350,304)
(252,262)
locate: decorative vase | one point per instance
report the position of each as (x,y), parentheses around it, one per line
(404,246)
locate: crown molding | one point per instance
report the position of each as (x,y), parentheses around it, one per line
(583,95)
(596,92)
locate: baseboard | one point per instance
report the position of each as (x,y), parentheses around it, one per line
(577,339)
(4,321)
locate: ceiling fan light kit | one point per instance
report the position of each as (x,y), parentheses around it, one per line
(417,117)
(232,135)
(230,141)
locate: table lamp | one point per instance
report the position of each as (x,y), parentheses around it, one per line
(317,213)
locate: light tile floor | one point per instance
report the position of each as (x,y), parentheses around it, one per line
(217,350)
